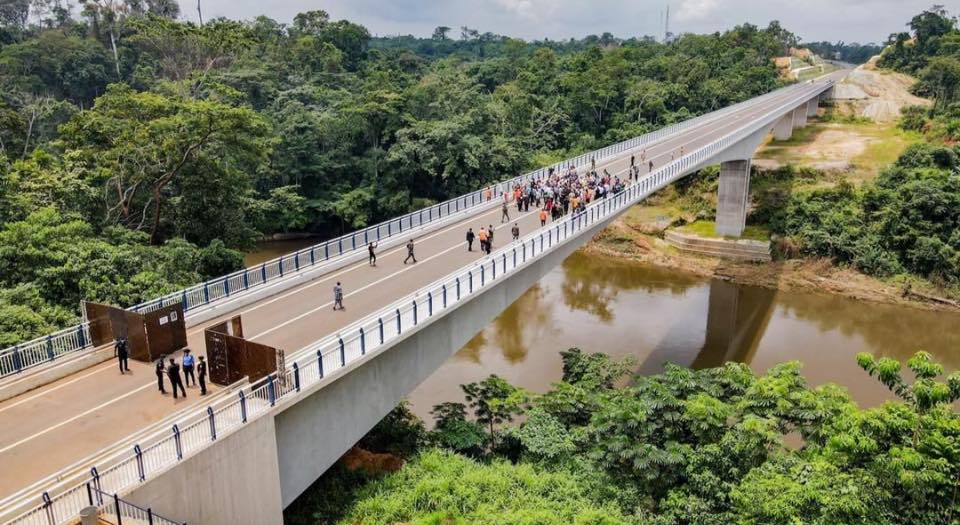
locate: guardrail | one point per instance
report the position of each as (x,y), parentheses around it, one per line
(331,356)
(46,349)
(113,510)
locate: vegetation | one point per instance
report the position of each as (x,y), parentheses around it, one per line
(140,154)
(852,53)
(718,446)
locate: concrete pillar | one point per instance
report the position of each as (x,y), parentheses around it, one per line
(812,108)
(732,201)
(800,117)
(783,130)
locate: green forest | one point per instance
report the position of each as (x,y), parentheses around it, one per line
(714,447)
(906,222)
(140,154)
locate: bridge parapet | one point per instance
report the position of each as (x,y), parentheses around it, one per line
(321,364)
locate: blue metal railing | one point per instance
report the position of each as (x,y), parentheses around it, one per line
(49,348)
(310,366)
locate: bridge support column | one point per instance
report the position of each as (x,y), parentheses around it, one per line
(784,127)
(800,117)
(812,106)
(732,202)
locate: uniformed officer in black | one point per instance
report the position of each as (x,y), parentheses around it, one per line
(173,374)
(159,371)
(202,372)
(123,354)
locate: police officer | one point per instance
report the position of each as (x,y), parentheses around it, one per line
(173,374)
(159,371)
(123,354)
(188,368)
(202,372)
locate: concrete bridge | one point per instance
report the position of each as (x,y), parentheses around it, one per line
(247,452)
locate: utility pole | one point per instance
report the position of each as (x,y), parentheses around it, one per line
(666,27)
(199,13)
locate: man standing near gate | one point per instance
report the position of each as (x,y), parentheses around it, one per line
(159,371)
(188,368)
(123,354)
(202,372)
(173,374)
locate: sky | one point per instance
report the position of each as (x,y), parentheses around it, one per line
(813,20)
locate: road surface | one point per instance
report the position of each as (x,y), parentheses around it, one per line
(50,428)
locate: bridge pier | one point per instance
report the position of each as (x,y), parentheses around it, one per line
(732,202)
(800,117)
(783,130)
(812,106)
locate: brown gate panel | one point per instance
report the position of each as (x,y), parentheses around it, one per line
(165,331)
(149,336)
(232,357)
(99,317)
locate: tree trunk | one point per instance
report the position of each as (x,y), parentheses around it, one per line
(26,141)
(155,230)
(116,57)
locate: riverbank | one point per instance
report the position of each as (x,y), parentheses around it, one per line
(637,237)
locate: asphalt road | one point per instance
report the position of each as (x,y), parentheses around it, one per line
(50,428)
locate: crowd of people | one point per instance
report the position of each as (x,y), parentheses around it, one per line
(556,194)
(194,369)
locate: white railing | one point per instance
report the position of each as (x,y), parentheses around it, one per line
(334,355)
(49,348)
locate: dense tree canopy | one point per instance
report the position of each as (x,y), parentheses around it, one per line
(714,446)
(124,126)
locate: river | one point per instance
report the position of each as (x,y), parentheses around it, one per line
(658,315)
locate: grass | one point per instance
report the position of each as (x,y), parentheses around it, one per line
(883,145)
(709,229)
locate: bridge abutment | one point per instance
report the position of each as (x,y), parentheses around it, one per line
(732,201)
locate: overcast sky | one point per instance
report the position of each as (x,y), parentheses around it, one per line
(813,20)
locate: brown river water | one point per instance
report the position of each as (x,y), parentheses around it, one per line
(659,315)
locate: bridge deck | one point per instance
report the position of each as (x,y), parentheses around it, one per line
(48,429)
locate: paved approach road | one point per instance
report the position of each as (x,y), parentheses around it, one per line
(50,428)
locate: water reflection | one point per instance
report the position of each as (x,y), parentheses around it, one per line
(660,316)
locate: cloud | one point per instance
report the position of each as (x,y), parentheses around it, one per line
(696,10)
(533,10)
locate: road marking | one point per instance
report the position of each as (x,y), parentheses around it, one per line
(706,133)
(74,418)
(367,286)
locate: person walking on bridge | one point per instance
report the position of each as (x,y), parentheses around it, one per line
(159,371)
(505,212)
(202,373)
(173,374)
(483,239)
(337,297)
(410,254)
(188,362)
(516,232)
(123,354)
(373,254)
(489,238)
(470,237)
(650,167)
(543,217)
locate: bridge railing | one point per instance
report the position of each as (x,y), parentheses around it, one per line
(332,356)
(49,348)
